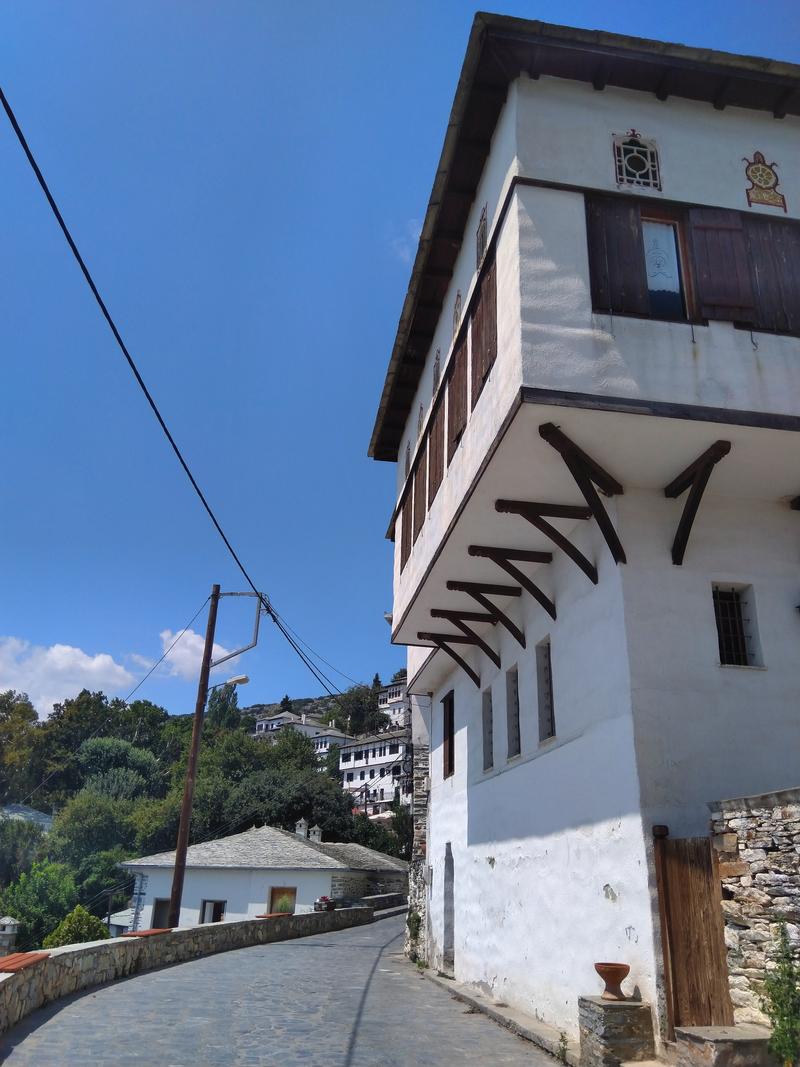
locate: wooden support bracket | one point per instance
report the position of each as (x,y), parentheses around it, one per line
(588,473)
(481,591)
(503,557)
(695,479)
(534,513)
(443,642)
(461,620)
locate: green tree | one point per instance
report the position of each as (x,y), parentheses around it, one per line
(119,783)
(332,762)
(17,725)
(356,710)
(101,754)
(782,1001)
(223,708)
(20,844)
(99,876)
(76,928)
(400,676)
(91,822)
(39,899)
(285,705)
(403,829)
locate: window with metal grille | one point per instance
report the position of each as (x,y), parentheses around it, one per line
(544,680)
(448,736)
(636,161)
(488,730)
(481,236)
(512,712)
(734,612)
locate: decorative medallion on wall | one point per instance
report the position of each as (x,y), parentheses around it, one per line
(636,161)
(763,182)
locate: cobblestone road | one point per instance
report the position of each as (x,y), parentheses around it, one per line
(344,999)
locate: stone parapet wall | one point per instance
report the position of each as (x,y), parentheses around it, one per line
(417,948)
(76,967)
(758,845)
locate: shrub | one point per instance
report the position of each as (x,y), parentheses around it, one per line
(284,904)
(782,1002)
(413,922)
(77,927)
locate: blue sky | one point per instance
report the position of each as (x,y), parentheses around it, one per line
(245,181)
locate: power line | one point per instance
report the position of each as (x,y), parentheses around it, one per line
(148,395)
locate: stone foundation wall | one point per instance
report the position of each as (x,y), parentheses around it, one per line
(758,845)
(76,967)
(417,947)
(349,885)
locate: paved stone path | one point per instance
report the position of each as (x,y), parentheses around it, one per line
(344,999)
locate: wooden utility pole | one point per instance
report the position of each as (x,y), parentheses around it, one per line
(191,769)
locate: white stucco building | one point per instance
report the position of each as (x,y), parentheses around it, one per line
(393,701)
(376,770)
(322,734)
(593,401)
(251,873)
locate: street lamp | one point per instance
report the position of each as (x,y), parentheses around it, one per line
(240,679)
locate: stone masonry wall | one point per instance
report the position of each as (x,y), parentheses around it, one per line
(75,967)
(758,844)
(417,885)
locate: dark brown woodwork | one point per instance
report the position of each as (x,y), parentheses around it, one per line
(722,271)
(484,330)
(692,933)
(616,256)
(782,103)
(457,398)
(503,556)
(534,513)
(773,249)
(795,504)
(468,616)
(436,450)
(405,530)
(481,591)
(448,734)
(723,94)
(662,89)
(695,479)
(441,642)
(586,471)
(459,619)
(420,492)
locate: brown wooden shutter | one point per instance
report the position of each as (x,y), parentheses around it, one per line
(436,450)
(616,256)
(722,269)
(457,398)
(420,475)
(448,736)
(405,530)
(774,254)
(484,331)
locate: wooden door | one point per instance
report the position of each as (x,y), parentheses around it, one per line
(692,932)
(282,893)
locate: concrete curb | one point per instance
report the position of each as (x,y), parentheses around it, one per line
(524,1026)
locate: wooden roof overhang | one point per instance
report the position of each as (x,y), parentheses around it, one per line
(499,50)
(518,516)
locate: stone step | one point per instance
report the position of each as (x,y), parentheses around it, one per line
(743,1045)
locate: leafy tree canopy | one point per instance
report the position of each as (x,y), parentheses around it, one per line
(17,720)
(90,822)
(223,707)
(75,928)
(20,844)
(356,710)
(39,900)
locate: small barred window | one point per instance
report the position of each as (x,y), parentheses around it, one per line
(457,313)
(636,161)
(481,236)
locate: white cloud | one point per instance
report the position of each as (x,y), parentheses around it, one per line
(404,246)
(184,660)
(50,675)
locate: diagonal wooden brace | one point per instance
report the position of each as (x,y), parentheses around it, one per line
(503,556)
(694,478)
(481,591)
(534,513)
(443,641)
(587,473)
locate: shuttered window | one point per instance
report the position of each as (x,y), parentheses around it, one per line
(544,684)
(420,471)
(722,270)
(436,450)
(774,253)
(484,331)
(616,255)
(457,398)
(512,713)
(448,736)
(487,724)
(405,530)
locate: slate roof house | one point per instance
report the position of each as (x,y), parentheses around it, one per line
(246,874)
(593,405)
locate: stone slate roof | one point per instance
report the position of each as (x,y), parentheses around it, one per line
(22,811)
(266,848)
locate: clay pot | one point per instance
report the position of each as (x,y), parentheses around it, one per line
(613,974)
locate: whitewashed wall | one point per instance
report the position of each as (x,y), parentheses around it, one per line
(246,891)
(549,853)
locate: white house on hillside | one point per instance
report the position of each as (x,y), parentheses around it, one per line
(248,874)
(322,734)
(593,401)
(376,770)
(393,701)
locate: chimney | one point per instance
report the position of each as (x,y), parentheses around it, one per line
(303,718)
(315,834)
(301,827)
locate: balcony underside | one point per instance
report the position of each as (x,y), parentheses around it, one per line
(537,489)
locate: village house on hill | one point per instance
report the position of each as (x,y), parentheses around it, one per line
(258,871)
(593,403)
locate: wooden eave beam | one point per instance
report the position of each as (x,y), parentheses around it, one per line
(694,478)
(600,77)
(722,95)
(795,504)
(782,103)
(503,557)
(587,473)
(440,640)
(534,513)
(457,619)
(481,591)
(664,83)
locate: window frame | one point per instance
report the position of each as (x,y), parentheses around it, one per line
(676,218)
(487,730)
(544,686)
(448,735)
(513,714)
(746,621)
(204,903)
